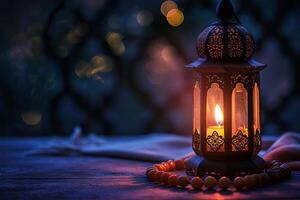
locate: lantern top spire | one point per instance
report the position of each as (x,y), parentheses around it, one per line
(225,10)
(226,43)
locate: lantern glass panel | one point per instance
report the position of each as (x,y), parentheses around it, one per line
(196,121)
(215,119)
(256,109)
(239,118)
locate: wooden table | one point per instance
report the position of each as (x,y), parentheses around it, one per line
(24,176)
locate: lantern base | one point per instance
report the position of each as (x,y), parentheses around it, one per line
(199,166)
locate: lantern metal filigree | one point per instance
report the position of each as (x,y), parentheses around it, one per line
(226,90)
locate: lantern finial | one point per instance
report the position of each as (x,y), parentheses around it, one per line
(225,11)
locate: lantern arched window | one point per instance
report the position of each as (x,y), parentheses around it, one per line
(256,118)
(256,109)
(196,117)
(215,119)
(239,118)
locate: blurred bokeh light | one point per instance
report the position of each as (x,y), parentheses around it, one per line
(116,67)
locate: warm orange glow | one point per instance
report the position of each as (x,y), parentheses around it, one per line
(167,6)
(31,118)
(99,64)
(216,129)
(256,108)
(115,41)
(197,107)
(219,115)
(175,17)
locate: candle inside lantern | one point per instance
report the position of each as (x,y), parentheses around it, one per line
(219,128)
(218,115)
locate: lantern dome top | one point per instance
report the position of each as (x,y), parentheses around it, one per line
(226,41)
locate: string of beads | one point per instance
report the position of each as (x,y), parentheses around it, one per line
(161,173)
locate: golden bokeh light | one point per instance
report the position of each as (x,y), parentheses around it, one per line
(101,64)
(31,118)
(175,17)
(74,35)
(115,42)
(167,6)
(97,65)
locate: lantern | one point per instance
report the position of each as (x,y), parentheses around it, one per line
(226,106)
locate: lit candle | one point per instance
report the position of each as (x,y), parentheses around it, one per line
(219,128)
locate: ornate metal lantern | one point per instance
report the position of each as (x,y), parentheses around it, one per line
(226,122)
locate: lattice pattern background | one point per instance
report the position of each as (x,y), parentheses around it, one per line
(101,65)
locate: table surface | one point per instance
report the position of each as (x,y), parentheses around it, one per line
(24,176)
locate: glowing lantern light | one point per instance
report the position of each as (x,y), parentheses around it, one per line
(227,130)
(218,115)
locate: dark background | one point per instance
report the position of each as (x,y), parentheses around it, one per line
(116,67)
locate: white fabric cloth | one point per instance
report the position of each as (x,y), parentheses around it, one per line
(154,147)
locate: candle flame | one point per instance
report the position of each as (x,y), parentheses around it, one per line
(219,115)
